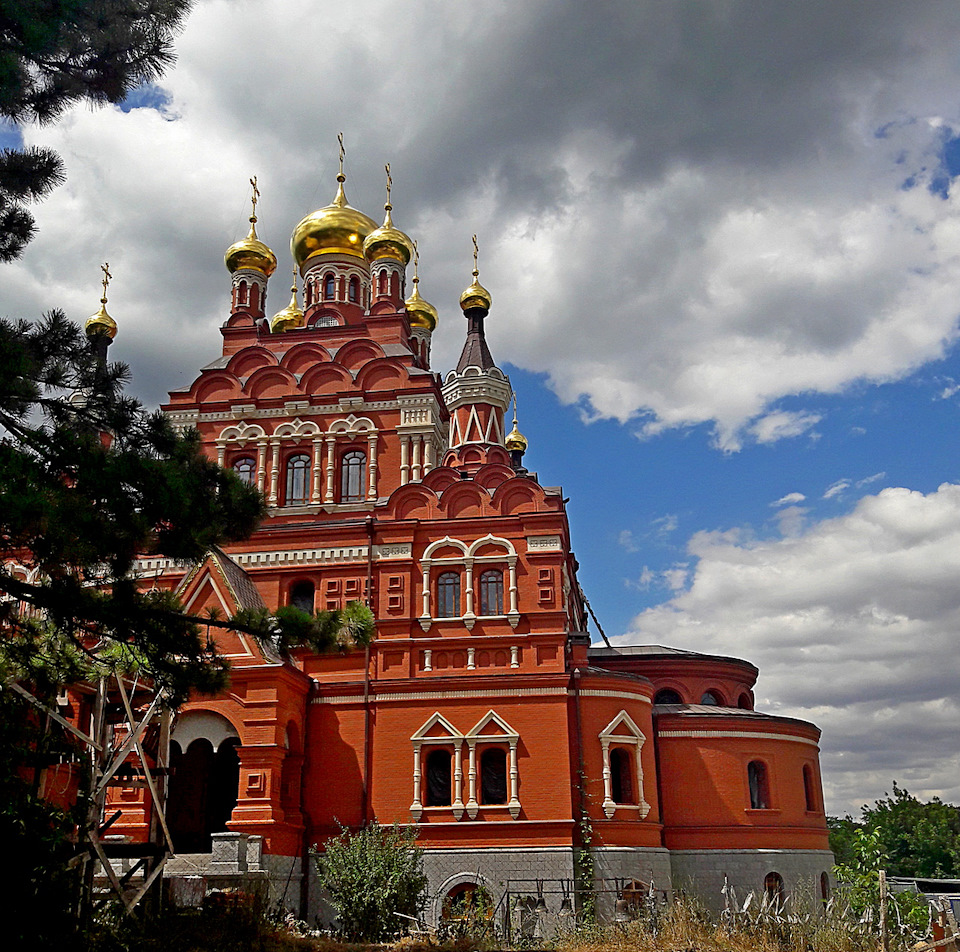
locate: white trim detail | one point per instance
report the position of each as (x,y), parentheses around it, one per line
(760,735)
(452,737)
(623,695)
(443,695)
(634,737)
(510,737)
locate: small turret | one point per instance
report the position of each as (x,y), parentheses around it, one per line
(250,263)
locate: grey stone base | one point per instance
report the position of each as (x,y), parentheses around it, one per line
(702,873)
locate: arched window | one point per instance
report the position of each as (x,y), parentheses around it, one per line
(493,775)
(438,778)
(298,478)
(246,469)
(328,286)
(759,787)
(711,698)
(773,888)
(667,696)
(354,290)
(242,293)
(308,294)
(621,778)
(491,592)
(809,790)
(353,467)
(302,595)
(744,703)
(448,595)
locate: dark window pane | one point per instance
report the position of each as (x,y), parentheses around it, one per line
(491,592)
(621,776)
(246,469)
(298,476)
(352,469)
(301,596)
(757,778)
(438,778)
(448,595)
(667,696)
(493,775)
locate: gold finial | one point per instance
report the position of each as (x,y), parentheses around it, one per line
(476,255)
(416,263)
(476,296)
(102,322)
(420,312)
(291,317)
(340,175)
(515,441)
(254,197)
(388,206)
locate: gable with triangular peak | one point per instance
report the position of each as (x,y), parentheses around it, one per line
(492,725)
(218,586)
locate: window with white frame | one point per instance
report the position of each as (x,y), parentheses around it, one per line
(621,742)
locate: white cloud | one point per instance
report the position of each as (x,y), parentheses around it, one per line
(853,626)
(789,500)
(781,425)
(836,489)
(628,541)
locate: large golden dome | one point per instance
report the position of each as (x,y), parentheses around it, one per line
(336,229)
(388,242)
(420,312)
(101,322)
(251,253)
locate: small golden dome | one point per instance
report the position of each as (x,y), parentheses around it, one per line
(421,312)
(515,439)
(291,317)
(251,253)
(388,242)
(476,296)
(337,228)
(101,323)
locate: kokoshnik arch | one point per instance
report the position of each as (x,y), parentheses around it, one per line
(482,714)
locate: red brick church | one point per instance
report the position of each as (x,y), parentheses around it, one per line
(481,714)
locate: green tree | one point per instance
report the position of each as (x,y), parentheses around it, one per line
(374,877)
(54,53)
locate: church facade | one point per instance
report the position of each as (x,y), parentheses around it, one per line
(481,714)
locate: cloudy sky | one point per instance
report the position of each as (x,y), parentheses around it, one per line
(723,244)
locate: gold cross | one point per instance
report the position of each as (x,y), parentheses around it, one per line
(342,153)
(105,268)
(255,196)
(389,182)
(416,262)
(476,253)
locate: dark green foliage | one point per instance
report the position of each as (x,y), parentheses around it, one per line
(371,875)
(919,839)
(54,53)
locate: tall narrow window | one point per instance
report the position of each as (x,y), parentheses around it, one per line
(298,476)
(328,286)
(759,788)
(621,779)
(354,290)
(493,775)
(491,592)
(773,888)
(809,791)
(302,595)
(438,778)
(352,469)
(448,595)
(246,469)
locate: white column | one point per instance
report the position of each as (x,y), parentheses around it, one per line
(427,659)
(274,473)
(472,805)
(429,454)
(416,808)
(471,659)
(468,564)
(514,656)
(457,780)
(221,453)
(608,805)
(417,440)
(404,459)
(513,584)
(262,464)
(514,781)
(371,466)
(331,444)
(426,590)
(317,462)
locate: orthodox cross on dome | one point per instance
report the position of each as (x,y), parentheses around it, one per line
(105,268)
(340,175)
(254,197)
(476,254)
(416,261)
(388,206)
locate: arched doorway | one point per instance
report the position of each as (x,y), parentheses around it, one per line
(204,782)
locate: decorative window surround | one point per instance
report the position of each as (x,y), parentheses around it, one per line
(468,560)
(451,738)
(509,736)
(635,738)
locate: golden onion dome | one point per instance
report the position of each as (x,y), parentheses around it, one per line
(388,242)
(475,296)
(251,253)
(515,439)
(101,322)
(421,312)
(291,317)
(338,228)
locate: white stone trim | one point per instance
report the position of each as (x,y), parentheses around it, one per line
(443,695)
(622,695)
(759,735)
(509,737)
